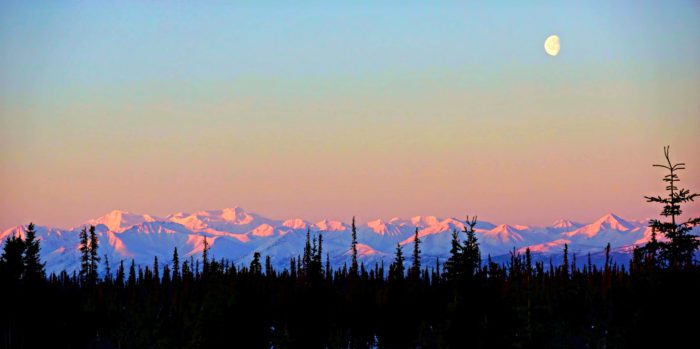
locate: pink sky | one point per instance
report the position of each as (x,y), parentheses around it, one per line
(345,111)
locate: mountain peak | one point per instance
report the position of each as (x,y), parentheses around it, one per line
(296,223)
(118,220)
(421,221)
(327,225)
(236,214)
(504,233)
(565,223)
(613,221)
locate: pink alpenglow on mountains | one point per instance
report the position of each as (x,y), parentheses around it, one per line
(235,234)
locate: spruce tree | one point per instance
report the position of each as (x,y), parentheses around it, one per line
(176,265)
(470,250)
(33,268)
(94,256)
(186,271)
(452,265)
(415,267)
(11,261)
(318,264)
(84,255)
(353,246)
(132,274)
(565,266)
(108,269)
(306,259)
(397,268)
(156,269)
(607,258)
(205,256)
(255,266)
(268,266)
(120,274)
(528,262)
(678,251)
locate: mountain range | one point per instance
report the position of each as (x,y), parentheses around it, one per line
(235,234)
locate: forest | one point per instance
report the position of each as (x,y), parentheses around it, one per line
(466,302)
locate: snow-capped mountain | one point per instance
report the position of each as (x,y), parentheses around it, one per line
(235,234)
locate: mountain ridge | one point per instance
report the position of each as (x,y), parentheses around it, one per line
(234,233)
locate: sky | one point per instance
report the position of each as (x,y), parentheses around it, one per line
(331,109)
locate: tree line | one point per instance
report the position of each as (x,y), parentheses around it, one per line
(464,302)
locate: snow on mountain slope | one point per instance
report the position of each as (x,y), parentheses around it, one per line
(118,221)
(551,246)
(609,228)
(235,234)
(503,234)
(565,224)
(326,225)
(232,220)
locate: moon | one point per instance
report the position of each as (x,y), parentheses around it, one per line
(551,45)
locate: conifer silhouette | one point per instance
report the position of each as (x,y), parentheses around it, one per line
(678,251)
(33,267)
(353,248)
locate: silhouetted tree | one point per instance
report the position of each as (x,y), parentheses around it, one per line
(255,266)
(565,265)
(678,251)
(156,268)
(415,267)
(120,274)
(396,269)
(453,266)
(94,256)
(353,247)
(33,267)
(132,274)
(306,256)
(176,265)
(11,261)
(607,258)
(108,269)
(205,255)
(84,255)
(470,251)
(268,266)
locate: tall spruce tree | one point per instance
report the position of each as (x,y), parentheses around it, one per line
(176,265)
(84,255)
(607,258)
(306,257)
(132,274)
(318,257)
(255,266)
(205,255)
(11,261)
(94,256)
(397,269)
(470,250)
(353,246)
(678,251)
(453,264)
(415,267)
(565,266)
(108,269)
(120,274)
(33,267)
(268,266)
(156,269)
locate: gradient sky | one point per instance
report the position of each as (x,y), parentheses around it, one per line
(328,110)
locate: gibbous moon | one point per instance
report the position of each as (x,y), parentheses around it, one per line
(551,45)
